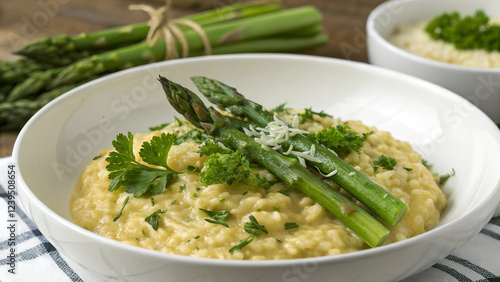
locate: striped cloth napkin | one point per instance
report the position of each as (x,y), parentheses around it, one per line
(35,259)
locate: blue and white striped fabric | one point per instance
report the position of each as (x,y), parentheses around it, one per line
(37,260)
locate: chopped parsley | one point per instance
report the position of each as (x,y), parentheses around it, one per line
(291,225)
(241,244)
(285,192)
(253,227)
(384,162)
(136,177)
(443,178)
(182,187)
(153,218)
(309,115)
(97,157)
(467,32)
(217,217)
(340,139)
(195,237)
(158,127)
(280,108)
(195,135)
(121,211)
(276,209)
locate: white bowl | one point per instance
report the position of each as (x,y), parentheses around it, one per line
(478,85)
(62,138)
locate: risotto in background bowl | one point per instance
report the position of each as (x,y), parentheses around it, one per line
(395,41)
(57,144)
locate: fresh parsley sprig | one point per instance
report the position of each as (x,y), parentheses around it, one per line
(136,177)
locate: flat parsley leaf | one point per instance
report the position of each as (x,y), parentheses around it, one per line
(136,177)
(153,218)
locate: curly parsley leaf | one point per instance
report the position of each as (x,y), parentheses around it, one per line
(138,178)
(153,219)
(341,139)
(209,148)
(227,166)
(467,32)
(385,162)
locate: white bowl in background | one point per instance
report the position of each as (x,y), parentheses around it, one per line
(55,145)
(478,85)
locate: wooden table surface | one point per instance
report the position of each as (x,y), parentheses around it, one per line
(26,20)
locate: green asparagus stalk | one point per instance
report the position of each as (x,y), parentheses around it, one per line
(33,84)
(63,49)
(271,44)
(287,169)
(377,199)
(12,72)
(265,25)
(13,115)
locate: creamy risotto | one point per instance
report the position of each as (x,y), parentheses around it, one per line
(414,39)
(183,228)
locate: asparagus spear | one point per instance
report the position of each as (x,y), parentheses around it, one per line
(288,170)
(63,49)
(12,72)
(269,24)
(34,83)
(271,44)
(377,199)
(13,115)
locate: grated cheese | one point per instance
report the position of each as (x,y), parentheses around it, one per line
(277,132)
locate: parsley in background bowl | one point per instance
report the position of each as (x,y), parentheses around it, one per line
(473,81)
(56,144)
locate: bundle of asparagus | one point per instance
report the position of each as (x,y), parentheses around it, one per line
(51,66)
